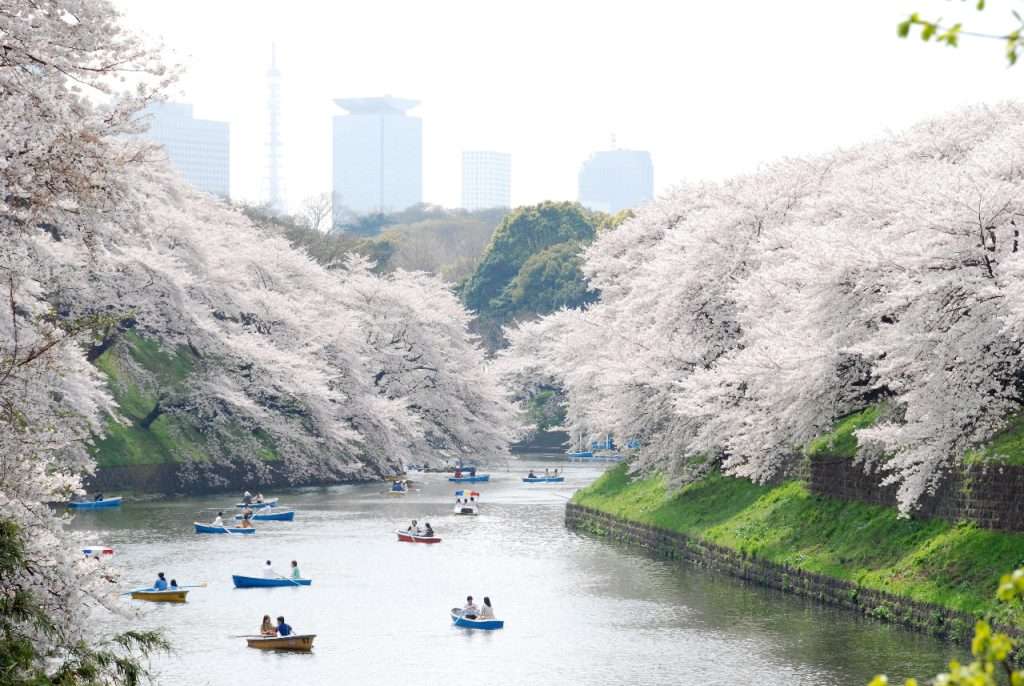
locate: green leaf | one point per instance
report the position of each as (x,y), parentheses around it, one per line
(981,5)
(928,31)
(903,29)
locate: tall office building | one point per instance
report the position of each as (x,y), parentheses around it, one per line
(200,149)
(378,156)
(486,179)
(614,180)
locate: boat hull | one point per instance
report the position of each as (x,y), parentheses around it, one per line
(259,506)
(407,537)
(98,551)
(176,596)
(469,479)
(301,643)
(259,582)
(271,516)
(484,624)
(543,480)
(96,504)
(207,529)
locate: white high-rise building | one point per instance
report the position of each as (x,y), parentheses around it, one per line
(614,180)
(200,149)
(275,182)
(486,179)
(378,156)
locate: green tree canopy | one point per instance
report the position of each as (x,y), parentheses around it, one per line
(522,234)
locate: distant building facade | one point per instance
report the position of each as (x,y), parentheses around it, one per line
(486,179)
(378,156)
(614,180)
(198,148)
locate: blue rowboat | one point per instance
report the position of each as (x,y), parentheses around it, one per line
(257,506)
(272,516)
(96,504)
(554,479)
(210,529)
(533,480)
(486,624)
(469,479)
(258,582)
(543,480)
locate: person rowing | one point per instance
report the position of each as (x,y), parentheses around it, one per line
(428,530)
(470,611)
(247,498)
(295,570)
(414,528)
(161,582)
(531,475)
(218,520)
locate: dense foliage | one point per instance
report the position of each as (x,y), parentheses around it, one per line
(744,318)
(346,371)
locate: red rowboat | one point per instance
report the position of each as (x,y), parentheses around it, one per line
(409,537)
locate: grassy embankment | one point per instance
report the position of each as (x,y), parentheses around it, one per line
(140,372)
(953,565)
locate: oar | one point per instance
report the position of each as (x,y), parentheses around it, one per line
(249,636)
(285,577)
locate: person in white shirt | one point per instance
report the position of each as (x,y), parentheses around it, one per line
(219,520)
(268,571)
(470,611)
(486,611)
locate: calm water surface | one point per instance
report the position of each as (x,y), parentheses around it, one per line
(577,609)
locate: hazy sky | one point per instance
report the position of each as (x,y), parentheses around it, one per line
(711,89)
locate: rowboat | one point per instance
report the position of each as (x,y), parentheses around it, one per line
(210,529)
(400,491)
(152,595)
(271,516)
(466,508)
(469,479)
(257,506)
(409,537)
(98,551)
(466,502)
(543,479)
(259,582)
(299,642)
(95,504)
(486,624)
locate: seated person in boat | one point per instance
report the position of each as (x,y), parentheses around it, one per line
(283,629)
(414,528)
(259,497)
(531,475)
(247,498)
(174,584)
(246,522)
(470,611)
(267,627)
(99,497)
(458,472)
(295,570)
(486,611)
(268,571)
(218,520)
(161,583)
(428,530)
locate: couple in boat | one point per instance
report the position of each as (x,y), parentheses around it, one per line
(268,630)
(471,611)
(415,529)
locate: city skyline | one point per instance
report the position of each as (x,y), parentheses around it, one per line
(702,107)
(199,149)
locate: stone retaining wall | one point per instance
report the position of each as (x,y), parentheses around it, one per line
(671,545)
(991,496)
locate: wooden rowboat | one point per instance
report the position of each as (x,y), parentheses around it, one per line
(409,537)
(153,596)
(302,643)
(485,624)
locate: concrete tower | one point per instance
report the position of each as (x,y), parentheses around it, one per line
(275,185)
